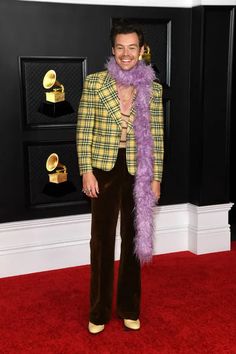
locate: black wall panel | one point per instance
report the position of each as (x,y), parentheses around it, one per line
(232,213)
(215,106)
(49,30)
(211,85)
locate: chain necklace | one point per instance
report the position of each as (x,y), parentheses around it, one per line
(126,96)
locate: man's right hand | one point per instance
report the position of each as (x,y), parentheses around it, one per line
(90,185)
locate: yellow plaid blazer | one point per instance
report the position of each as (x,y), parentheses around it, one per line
(99,126)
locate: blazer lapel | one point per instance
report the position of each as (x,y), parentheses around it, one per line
(131,120)
(108,95)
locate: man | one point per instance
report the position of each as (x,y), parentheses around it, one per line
(120,154)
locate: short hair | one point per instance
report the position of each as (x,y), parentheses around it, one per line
(125,26)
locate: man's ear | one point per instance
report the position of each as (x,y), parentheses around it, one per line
(113,51)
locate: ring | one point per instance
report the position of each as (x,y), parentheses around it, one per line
(86,190)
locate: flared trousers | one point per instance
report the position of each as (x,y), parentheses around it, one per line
(115,195)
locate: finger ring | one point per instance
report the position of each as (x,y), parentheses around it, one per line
(87,191)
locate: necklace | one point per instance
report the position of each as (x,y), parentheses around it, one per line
(126,97)
(125,93)
(141,78)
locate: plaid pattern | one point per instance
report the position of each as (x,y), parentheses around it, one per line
(99,127)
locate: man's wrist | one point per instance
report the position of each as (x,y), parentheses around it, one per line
(87,172)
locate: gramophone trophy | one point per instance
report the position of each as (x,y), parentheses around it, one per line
(57,171)
(147,58)
(147,54)
(57,93)
(58,186)
(55,104)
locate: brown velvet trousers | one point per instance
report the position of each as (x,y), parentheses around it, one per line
(115,194)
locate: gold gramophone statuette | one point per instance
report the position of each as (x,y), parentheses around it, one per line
(57,171)
(57,93)
(147,54)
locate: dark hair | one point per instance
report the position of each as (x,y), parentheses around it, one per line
(125,26)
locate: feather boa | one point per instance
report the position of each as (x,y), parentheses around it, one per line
(141,77)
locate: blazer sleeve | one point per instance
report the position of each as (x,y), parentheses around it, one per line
(85,124)
(157,130)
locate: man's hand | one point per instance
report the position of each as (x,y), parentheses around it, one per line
(90,185)
(156,188)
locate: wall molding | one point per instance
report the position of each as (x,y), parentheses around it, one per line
(146,3)
(54,243)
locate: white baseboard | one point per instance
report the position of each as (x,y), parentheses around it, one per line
(209,230)
(46,244)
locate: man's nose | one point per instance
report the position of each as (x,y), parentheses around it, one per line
(126,51)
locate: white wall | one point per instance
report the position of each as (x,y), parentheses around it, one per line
(154,3)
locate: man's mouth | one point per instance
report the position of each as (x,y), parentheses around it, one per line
(125,60)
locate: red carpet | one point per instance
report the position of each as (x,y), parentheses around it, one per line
(189,306)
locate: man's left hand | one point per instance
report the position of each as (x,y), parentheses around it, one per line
(156,188)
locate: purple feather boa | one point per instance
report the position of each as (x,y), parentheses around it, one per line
(141,77)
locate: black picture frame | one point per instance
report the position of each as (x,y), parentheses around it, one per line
(36,112)
(40,193)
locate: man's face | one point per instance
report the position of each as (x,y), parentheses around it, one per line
(126,50)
